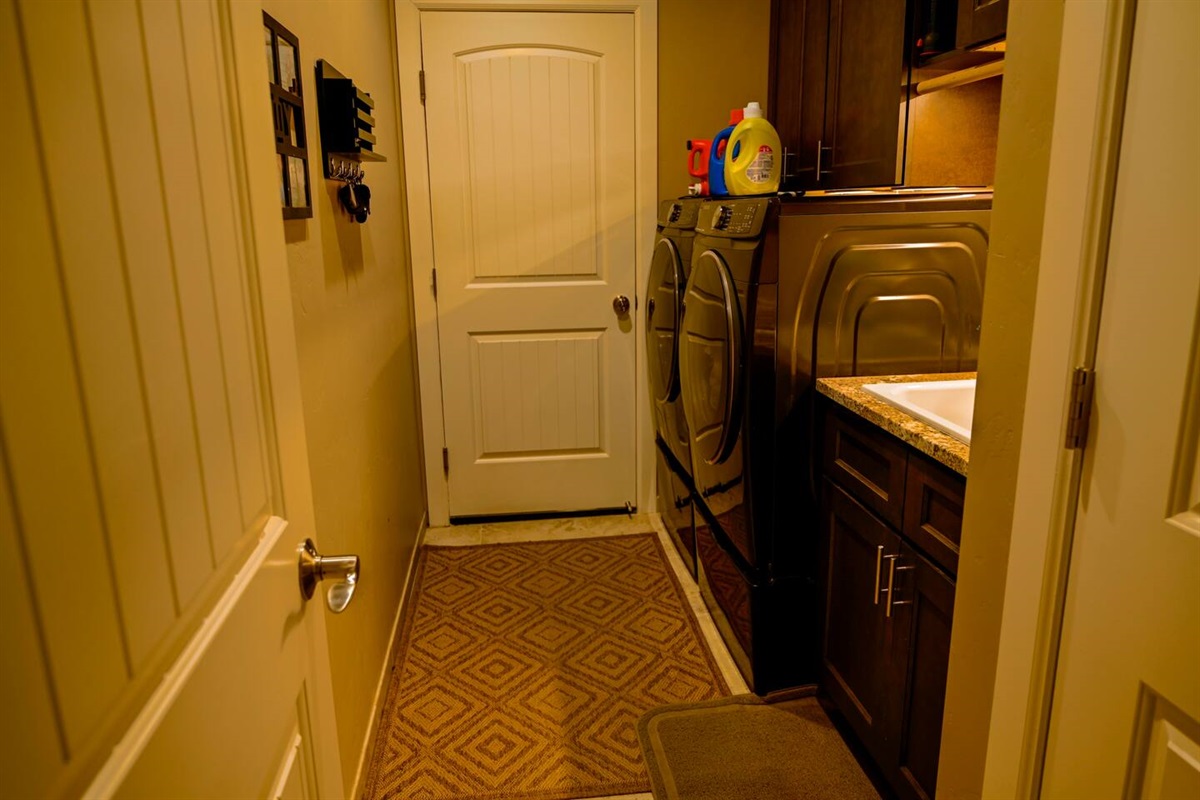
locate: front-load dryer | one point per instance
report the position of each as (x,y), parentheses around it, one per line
(669,268)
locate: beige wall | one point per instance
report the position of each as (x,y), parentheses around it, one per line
(1022,172)
(712,56)
(351,293)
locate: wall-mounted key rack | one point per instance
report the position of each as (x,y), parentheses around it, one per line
(345,112)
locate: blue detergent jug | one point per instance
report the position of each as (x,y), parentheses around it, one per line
(716,155)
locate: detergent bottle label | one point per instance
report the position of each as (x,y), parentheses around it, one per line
(759,170)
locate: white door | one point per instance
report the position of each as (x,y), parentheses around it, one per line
(153,470)
(1124,720)
(530,120)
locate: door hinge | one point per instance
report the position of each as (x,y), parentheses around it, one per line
(433,283)
(446,460)
(421,74)
(1079,411)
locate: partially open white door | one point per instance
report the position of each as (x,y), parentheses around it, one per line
(530,120)
(154,481)
(1125,720)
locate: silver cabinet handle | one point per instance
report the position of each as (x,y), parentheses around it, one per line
(315,568)
(821,148)
(878,570)
(621,305)
(891,587)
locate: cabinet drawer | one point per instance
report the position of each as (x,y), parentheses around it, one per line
(933,510)
(867,462)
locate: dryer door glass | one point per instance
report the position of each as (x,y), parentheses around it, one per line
(710,358)
(663,305)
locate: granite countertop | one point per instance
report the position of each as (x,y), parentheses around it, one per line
(941,447)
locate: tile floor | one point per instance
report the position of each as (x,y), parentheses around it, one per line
(584,527)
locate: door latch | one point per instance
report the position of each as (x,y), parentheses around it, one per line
(1079,413)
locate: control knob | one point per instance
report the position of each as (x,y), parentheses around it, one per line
(721,217)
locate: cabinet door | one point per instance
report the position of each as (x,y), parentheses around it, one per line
(923,606)
(799,48)
(856,652)
(864,113)
(980,21)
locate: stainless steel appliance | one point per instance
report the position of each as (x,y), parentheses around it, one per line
(781,293)
(669,269)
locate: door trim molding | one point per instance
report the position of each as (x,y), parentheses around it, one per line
(129,749)
(411,119)
(1093,77)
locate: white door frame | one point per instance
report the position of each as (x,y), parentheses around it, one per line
(1089,104)
(420,218)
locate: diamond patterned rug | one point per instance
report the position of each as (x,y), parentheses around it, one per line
(523,670)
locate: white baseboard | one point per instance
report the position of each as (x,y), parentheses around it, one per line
(385,671)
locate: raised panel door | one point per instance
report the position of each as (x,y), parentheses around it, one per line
(922,608)
(863,95)
(531,151)
(160,645)
(856,648)
(1125,718)
(799,48)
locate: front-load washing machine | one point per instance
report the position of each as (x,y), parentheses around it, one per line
(669,270)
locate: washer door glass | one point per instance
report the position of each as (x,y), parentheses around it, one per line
(710,358)
(663,306)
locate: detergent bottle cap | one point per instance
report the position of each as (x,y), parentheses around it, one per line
(753,111)
(735,116)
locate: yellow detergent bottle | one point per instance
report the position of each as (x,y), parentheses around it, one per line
(755,157)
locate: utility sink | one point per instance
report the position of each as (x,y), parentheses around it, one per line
(946,405)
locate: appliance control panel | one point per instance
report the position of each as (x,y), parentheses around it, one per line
(679,213)
(733,218)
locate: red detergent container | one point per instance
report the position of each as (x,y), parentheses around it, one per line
(698,165)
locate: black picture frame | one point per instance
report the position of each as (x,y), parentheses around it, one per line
(287,110)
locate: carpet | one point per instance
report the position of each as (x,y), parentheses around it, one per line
(522,670)
(744,748)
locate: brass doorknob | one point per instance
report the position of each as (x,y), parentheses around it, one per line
(621,305)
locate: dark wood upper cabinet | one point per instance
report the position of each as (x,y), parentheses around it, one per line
(864,99)
(980,21)
(799,50)
(836,91)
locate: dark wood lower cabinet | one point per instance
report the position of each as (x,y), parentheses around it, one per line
(855,661)
(886,633)
(924,607)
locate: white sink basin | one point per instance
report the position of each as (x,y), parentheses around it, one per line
(946,405)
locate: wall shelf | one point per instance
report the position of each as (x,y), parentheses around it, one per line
(347,122)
